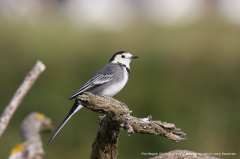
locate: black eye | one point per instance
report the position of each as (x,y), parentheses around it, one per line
(123,56)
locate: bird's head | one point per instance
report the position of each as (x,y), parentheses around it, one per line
(122,57)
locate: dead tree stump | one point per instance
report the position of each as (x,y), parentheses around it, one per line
(117,117)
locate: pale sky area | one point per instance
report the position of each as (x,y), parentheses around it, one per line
(120,13)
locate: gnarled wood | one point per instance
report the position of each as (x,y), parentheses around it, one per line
(118,118)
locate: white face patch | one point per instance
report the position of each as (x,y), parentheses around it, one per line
(124,58)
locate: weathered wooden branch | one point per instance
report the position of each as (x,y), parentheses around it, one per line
(31,146)
(182,154)
(118,118)
(19,95)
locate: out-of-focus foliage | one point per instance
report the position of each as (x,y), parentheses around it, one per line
(188,76)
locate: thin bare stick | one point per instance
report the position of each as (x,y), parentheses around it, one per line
(19,95)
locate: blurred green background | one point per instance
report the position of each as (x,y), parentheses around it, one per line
(187,75)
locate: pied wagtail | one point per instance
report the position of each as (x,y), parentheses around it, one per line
(108,80)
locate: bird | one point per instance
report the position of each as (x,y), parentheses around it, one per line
(108,80)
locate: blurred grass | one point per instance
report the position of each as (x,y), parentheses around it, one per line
(187,75)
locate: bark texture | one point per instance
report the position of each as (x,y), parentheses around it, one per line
(117,117)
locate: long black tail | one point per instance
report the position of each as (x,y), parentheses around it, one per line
(76,107)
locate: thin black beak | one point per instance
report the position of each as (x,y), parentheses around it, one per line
(134,57)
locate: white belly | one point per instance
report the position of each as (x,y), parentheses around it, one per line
(114,89)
